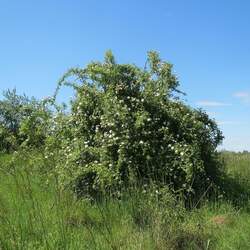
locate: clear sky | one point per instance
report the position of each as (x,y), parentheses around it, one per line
(207,41)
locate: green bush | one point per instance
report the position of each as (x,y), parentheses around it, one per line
(127,125)
(34,129)
(23,121)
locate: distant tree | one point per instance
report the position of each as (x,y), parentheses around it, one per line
(20,120)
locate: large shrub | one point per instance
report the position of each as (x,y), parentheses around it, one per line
(127,126)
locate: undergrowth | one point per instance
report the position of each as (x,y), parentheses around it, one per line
(35,215)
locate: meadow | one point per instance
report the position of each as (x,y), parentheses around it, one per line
(128,165)
(36,214)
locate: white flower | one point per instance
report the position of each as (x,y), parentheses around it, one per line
(141,142)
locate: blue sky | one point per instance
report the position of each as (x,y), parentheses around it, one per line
(207,41)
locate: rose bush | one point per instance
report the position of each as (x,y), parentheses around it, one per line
(127,126)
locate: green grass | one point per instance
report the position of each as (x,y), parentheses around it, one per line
(37,215)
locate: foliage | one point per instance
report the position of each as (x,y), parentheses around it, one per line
(7,140)
(127,125)
(22,121)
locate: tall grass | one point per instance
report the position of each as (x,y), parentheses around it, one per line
(36,215)
(237,181)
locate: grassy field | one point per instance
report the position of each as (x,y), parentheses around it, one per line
(35,214)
